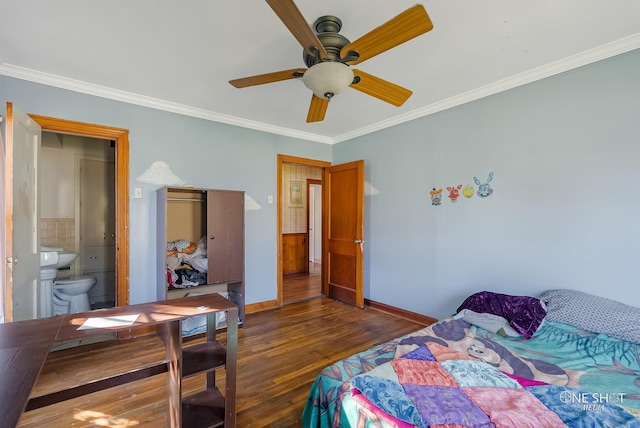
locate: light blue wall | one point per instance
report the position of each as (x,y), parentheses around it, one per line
(203,153)
(565,152)
(565,211)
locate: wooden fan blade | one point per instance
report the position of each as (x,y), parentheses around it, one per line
(260,79)
(292,18)
(404,27)
(317,109)
(381,89)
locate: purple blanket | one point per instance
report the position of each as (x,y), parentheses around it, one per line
(523,313)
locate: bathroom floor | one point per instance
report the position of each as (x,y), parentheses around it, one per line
(102,305)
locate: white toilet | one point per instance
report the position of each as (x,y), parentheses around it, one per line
(75,291)
(62,296)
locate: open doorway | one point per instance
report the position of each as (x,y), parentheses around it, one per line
(342,269)
(300,275)
(119,138)
(20,203)
(77,208)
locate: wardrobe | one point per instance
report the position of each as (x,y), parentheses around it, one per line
(201,243)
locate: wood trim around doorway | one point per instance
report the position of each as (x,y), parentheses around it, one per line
(121,137)
(282,159)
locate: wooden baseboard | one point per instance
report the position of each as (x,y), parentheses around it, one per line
(392,310)
(261,306)
(402,313)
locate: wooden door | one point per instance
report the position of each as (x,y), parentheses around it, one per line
(225,230)
(22,214)
(344,232)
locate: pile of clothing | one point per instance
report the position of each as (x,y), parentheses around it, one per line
(186,263)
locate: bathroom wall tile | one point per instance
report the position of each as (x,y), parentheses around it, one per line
(58,232)
(48,234)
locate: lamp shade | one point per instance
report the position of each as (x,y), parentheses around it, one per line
(327,79)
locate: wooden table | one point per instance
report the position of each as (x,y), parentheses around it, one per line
(24,346)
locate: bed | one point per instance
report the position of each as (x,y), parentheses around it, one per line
(578,365)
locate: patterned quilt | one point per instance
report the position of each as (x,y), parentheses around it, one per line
(454,374)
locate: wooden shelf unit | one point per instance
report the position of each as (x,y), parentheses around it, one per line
(185,213)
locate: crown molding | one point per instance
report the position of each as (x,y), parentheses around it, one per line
(618,47)
(593,55)
(154,103)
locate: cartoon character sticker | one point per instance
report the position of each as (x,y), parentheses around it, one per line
(454,192)
(484,189)
(436,196)
(468,191)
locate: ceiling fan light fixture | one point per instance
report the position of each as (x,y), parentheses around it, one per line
(327,79)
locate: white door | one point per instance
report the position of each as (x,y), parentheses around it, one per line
(312,216)
(2,230)
(22,212)
(315,222)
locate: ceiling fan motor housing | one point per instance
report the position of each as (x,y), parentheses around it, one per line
(327,28)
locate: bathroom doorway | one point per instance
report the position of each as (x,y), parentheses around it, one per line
(78,208)
(24,228)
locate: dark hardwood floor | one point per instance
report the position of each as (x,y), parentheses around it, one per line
(302,286)
(280,353)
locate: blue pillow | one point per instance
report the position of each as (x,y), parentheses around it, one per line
(593,313)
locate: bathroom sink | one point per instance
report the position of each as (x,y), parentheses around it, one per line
(55,258)
(65,258)
(49,260)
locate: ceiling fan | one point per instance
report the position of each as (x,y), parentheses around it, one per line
(329,56)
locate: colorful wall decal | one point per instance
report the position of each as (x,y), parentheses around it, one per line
(436,196)
(484,189)
(454,192)
(468,191)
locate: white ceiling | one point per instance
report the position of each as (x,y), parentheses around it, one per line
(179,55)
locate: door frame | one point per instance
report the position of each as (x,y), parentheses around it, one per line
(121,138)
(286,159)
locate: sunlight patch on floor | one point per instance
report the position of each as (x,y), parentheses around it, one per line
(102,420)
